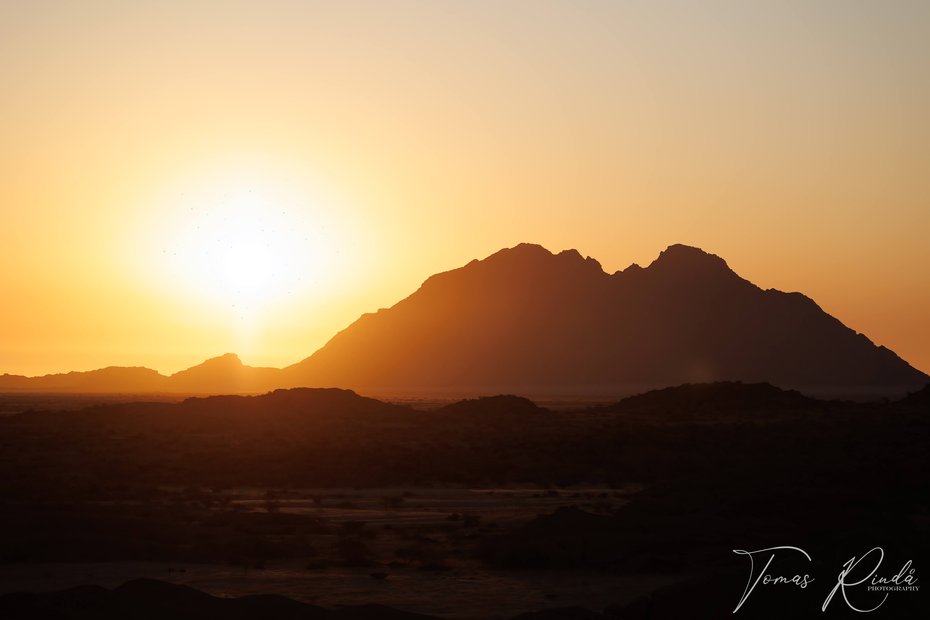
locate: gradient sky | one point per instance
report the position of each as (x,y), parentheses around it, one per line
(358,147)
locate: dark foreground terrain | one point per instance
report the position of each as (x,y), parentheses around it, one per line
(478,509)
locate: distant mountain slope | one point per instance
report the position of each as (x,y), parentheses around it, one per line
(527,321)
(225,374)
(110,379)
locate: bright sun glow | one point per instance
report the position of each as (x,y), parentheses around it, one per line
(247,246)
(245,251)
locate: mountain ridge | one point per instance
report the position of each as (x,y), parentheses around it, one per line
(730,329)
(527,320)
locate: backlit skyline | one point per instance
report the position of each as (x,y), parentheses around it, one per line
(352,149)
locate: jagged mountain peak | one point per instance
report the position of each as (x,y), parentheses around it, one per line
(221,362)
(525,320)
(523,252)
(689,260)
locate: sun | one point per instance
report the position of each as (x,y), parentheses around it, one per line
(246,247)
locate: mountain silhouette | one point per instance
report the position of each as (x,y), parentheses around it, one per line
(225,374)
(709,398)
(527,321)
(132,379)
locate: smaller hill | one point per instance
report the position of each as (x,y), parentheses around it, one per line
(724,397)
(918,399)
(225,374)
(494,406)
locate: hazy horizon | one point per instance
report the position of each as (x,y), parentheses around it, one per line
(182,181)
(448,311)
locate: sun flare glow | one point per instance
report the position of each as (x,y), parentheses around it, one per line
(247,247)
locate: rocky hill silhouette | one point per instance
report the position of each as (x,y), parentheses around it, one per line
(530,322)
(722,398)
(110,379)
(527,321)
(667,482)
(335,437)
(225,374)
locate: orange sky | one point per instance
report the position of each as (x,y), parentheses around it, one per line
(351,149)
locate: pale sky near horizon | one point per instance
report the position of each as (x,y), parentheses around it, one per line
(181,179)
